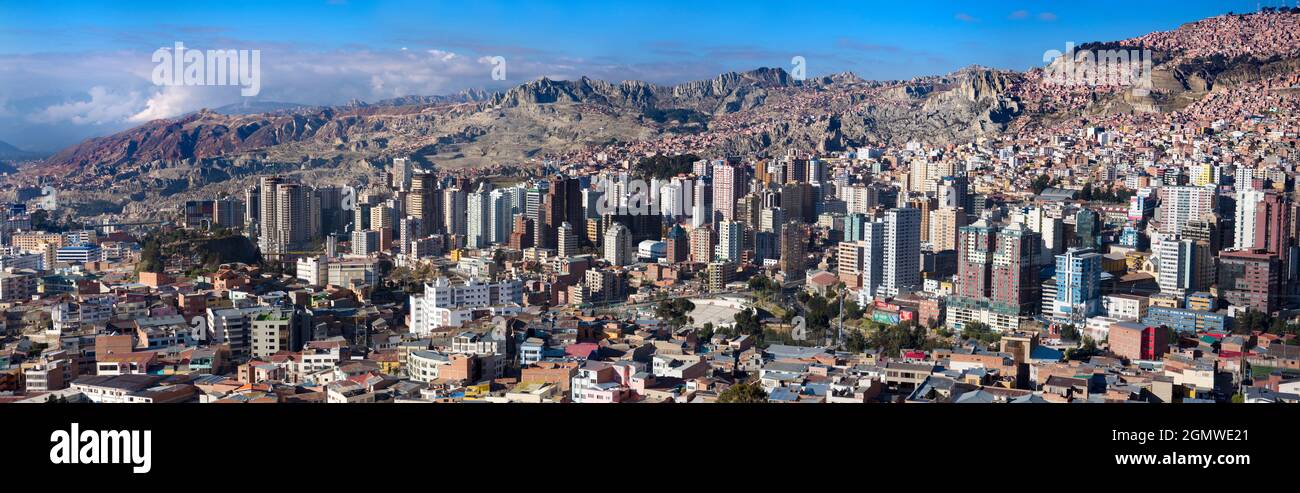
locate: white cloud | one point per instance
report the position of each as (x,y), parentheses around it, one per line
(104,106)
(177,100)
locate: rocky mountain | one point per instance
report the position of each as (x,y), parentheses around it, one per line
(10,152)
(759,110)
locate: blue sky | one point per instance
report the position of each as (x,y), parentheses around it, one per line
(74,69)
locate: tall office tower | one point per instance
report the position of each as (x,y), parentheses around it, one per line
(848,260)
(853,226)
(797,200)
(1078,285)
(292,226)
(771,219)
(408,231)
(533,202)
(618,245)
(702,244)
(701,213)
(365,242)
(794,250)
(332,245)
(1180,204)
(522,236)
(730,183)
(1015,273)
(1272,224)
(1251,279)
(1087,229)
(567,241)
(1182,266)
(918,172)
(1050,229)
(1244,218)
(944,225)
(975,252)
(678,245)
(268,215)
(424,203)
(502,216)
(596,231)
(816,171)
(252,210)
(902,261)
(924,205)
(1244,179)
(701,168)
(749,210)
(478,218)
(857,198)
(401,174)
(454,205)
(731,236)
(953,191)
(562,202)
(796,170)
(381,221)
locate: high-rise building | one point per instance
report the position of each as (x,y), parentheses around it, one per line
(730,239)
(365,242)
(1087,229)
(424,202)
(771,219)
(678,246)
(455,202)
(944,225)
(702,242)
(901,273)
(701,211)
(618,245)
(794,250)
(1251,279)
(290,216)
(730,183)
(568,241)
(401,174)
(1078,285)
(502,214)
(478,217)
(1180,204)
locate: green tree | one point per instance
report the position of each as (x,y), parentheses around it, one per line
(743,393)
(674,311)
(980,332)
(747,322)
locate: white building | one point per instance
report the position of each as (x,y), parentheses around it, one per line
(446,305)
(901,272)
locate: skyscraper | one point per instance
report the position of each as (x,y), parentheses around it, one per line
(1078,285)
(568,241)
(730,182)
(901,273)
(478,214)
(678,246)
(424,203)
(794,250)
(618,245)
(730,239)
